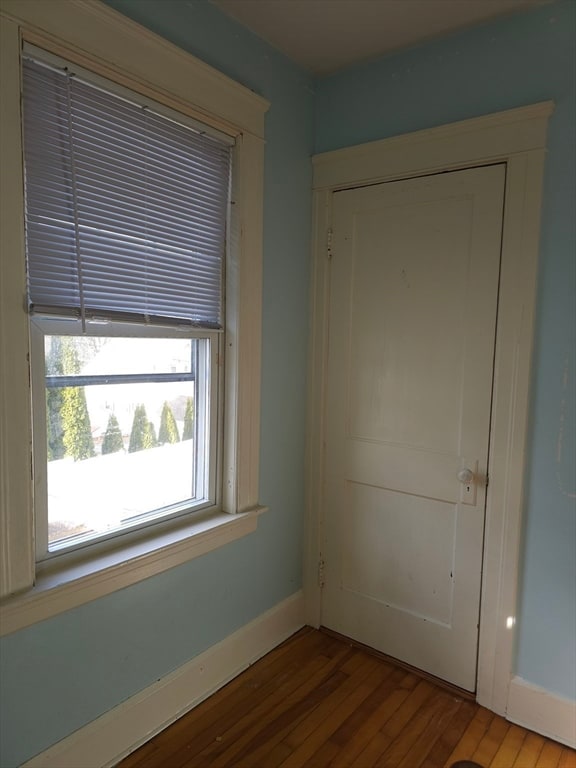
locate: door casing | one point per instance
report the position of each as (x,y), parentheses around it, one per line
(516,137)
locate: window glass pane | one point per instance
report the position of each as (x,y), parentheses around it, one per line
(126,441)
(93,355)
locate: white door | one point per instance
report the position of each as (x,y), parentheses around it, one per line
(413,297)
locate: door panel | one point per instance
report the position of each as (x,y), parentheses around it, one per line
(414,283)
(408,286)
(395,537)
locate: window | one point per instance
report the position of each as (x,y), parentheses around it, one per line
(75,329)
(126,211)
(128,435)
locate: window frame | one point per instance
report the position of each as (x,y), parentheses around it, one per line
(98,38)
(42,326)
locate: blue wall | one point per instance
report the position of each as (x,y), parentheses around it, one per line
(62,673)
(510,63)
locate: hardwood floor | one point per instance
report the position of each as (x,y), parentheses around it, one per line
(317,701)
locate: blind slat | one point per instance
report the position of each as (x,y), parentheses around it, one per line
(125,209)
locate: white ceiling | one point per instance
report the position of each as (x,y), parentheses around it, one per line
(327,35)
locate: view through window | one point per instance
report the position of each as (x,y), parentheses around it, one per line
(126,420)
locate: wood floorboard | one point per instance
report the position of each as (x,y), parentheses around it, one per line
(473,735)
(450,736)
(490,742)
(318,701)
(530,751)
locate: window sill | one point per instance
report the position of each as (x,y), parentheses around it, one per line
(59,590)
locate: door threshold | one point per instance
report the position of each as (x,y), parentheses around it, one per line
(454,689)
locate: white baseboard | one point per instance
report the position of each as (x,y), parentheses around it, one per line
(115,734)
(542,711)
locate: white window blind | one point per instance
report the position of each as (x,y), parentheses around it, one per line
(126,209)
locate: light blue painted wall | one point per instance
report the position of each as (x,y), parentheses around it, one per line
(510,63)
(64,672)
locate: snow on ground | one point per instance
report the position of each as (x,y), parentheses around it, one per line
(97,494)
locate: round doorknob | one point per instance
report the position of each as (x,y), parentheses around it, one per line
(465,476)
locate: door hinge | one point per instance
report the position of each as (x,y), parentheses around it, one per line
(321,567)
(329,243)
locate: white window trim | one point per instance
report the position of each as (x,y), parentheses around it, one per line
(99,38)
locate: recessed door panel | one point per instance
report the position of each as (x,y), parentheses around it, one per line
(400,551)
(398,305)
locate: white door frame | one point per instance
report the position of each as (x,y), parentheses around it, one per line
(518,138)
